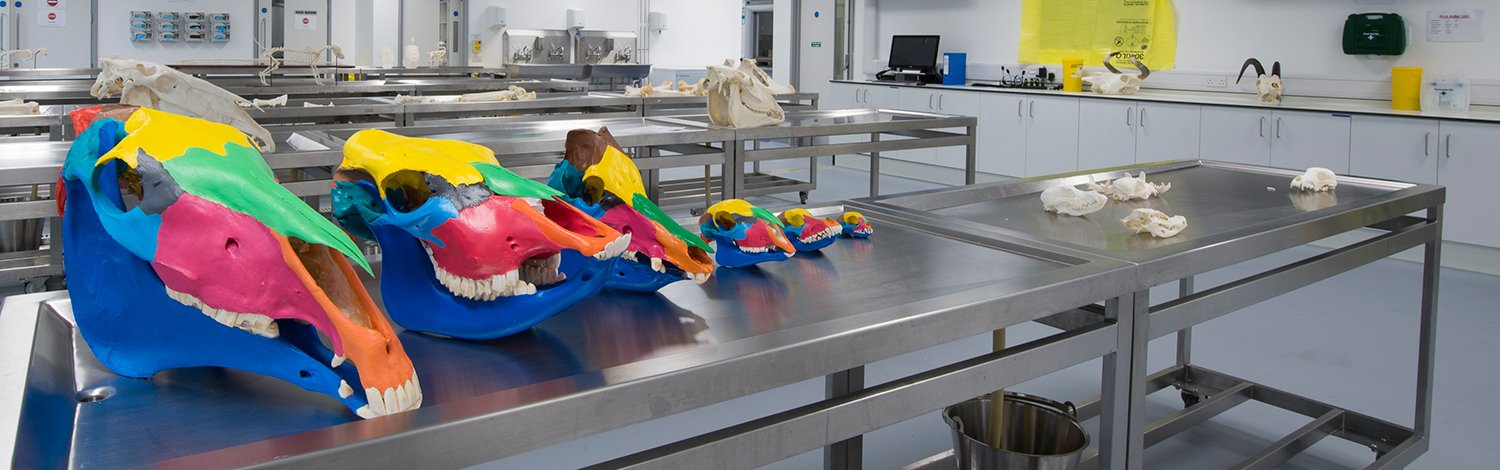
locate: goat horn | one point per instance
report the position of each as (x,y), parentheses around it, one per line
(1145,72)
(1259,69)
(1276,69)
(1110,58)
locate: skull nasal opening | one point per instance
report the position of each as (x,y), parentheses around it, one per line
(406,190)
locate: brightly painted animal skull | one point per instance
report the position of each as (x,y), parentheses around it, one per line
(470,249)
(739,100)
(1153,221)
(1069,200)
(745,234)
(1131,188)
(599,179)
(1267,87)
(1316,179)
(807,232)
(855,225)
(182,251)
(1116,82)
(156,86)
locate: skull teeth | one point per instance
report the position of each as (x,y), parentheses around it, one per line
(614,248)
(830,232)
(252,322)
(404,397)
(520,281)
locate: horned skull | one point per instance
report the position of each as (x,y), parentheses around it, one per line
(1116,82)
(1155,222)
(470,249)
(1267,87)
(1131,188)
(807,232)
(182,251)
(745,234)
(1069,200)
(598,178)
(740,100)
(855,225)
(1316,179)
(156,86)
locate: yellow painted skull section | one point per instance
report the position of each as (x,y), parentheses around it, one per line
(617,174)
(383,154)
(171,137)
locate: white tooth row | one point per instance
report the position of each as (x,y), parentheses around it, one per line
(614,248)
(658,266)
(698,277)
(755,249)
(865,231)
(543,272)
(252,322)
(494,287)
(404,397)
(829,232)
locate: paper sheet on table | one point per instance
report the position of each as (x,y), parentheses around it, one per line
(1052,30)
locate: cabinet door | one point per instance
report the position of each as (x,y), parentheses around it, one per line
(1051,135)
(843,96)
(962,103)
(1002,134)
(1394,148)
(880,96)
(1467,166)
(1106,130)
(1166,132)
(920,100)
(1238,135)
(1300,140)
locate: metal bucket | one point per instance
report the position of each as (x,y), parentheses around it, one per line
(1039,434)
(19,235)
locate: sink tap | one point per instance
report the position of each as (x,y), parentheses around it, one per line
(593,53)
(623,55)
(521,55)
(557,52)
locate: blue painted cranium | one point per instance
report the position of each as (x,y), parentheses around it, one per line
(807,232)
(745,234)
(183,251)
(470,249)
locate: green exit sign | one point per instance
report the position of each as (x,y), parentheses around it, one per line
(817,44)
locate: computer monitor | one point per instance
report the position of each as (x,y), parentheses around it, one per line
(914,52)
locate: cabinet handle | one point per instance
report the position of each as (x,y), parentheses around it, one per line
(929,101)
(1032,109)
(859,96)
(940,102)
(1427,145)
(1128,112)
(1448,152)
(1262,127)
(1278,128)
(1143,118)
(1019,104)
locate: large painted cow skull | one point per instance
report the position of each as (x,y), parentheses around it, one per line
(738,99)
(182,251)
(156,86)
(599,179)
(745,234)
(470,249)
(1267,87)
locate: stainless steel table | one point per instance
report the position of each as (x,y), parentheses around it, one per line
(686,105)
(1232,217)
(545,107)
(608,362)
(48,123)
(76,91)
(28,175)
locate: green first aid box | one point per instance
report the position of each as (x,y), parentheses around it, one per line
(1374,34)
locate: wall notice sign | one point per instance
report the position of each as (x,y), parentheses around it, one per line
(305,19)
(52,14)
(1455,26)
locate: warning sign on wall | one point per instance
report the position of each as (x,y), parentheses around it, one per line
(52,14)
(305,19)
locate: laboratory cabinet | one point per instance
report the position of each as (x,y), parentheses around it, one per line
(1468,160)
(1236,135)
(1167,131)
(1002,134)
(1051,135)
(1301,140)
(1394,148)
(1114,133)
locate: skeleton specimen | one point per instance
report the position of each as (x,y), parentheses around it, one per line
(1267,87)
(1129,188)
(1155,222)
(1116,82)
(667,88)
(438,57)
(156,86)
(314,57)
(513,93)
(1316,179)
(24,54)
(738,99)
(1069,200)
(14,107)
(260,103)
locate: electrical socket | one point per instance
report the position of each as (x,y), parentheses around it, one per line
(1217,82)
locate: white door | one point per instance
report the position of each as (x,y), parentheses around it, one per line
(1002,134)
(815,58)
(1467,166)
(1300,140)
(1167,132)
(1237,135)
(1402,149)
(1106,130)
(63,27)
(1051,135)
(962,103)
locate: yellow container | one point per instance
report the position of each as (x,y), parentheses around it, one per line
(1073,75)
(1406,88)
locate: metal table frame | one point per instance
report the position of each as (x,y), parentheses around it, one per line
(1207,393)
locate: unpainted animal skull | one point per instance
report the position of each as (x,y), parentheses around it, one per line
(1129,188)
(738,99)
(1069,200)
(1155,222)
(156,86)
(1116,82)
(16,106)
(1267,87)
(749,67)
(1316,179)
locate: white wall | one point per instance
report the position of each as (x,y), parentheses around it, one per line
(1215,35)
(317,36)
(699,33)
(346,18)
(67,45)
(781,42)
(387,20)
(419,21)
(114,31)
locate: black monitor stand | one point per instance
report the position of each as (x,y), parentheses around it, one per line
(915,76)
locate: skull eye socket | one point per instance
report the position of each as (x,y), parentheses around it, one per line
(406,190)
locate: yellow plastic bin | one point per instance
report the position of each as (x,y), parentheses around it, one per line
(1406,88)
(1072,79)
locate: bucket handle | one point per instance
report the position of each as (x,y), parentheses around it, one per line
(1072,410)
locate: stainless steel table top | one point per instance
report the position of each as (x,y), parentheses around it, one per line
(32,162)
(846,121)
(609,361)
(549,136)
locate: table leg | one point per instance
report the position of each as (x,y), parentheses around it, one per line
(847,454)
(1114,394)
(971,157)
(1185,337)
(1427,341)
(874,167)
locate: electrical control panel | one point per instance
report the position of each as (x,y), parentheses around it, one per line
(175,26)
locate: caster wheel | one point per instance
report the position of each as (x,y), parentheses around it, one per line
(35,284)
(803,196)
(1189,399)
(695,212)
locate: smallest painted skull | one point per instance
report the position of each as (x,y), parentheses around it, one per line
(855,225)
(746,235)
(808,232)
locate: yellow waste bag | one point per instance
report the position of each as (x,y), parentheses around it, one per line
(1052,30)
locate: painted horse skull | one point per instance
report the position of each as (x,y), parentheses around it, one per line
(600,180)
(183,251)
(470,249)
(855,225)
(746,235)
(1267,87)
(807,232)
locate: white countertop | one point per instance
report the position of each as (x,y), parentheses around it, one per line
(1248,100)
